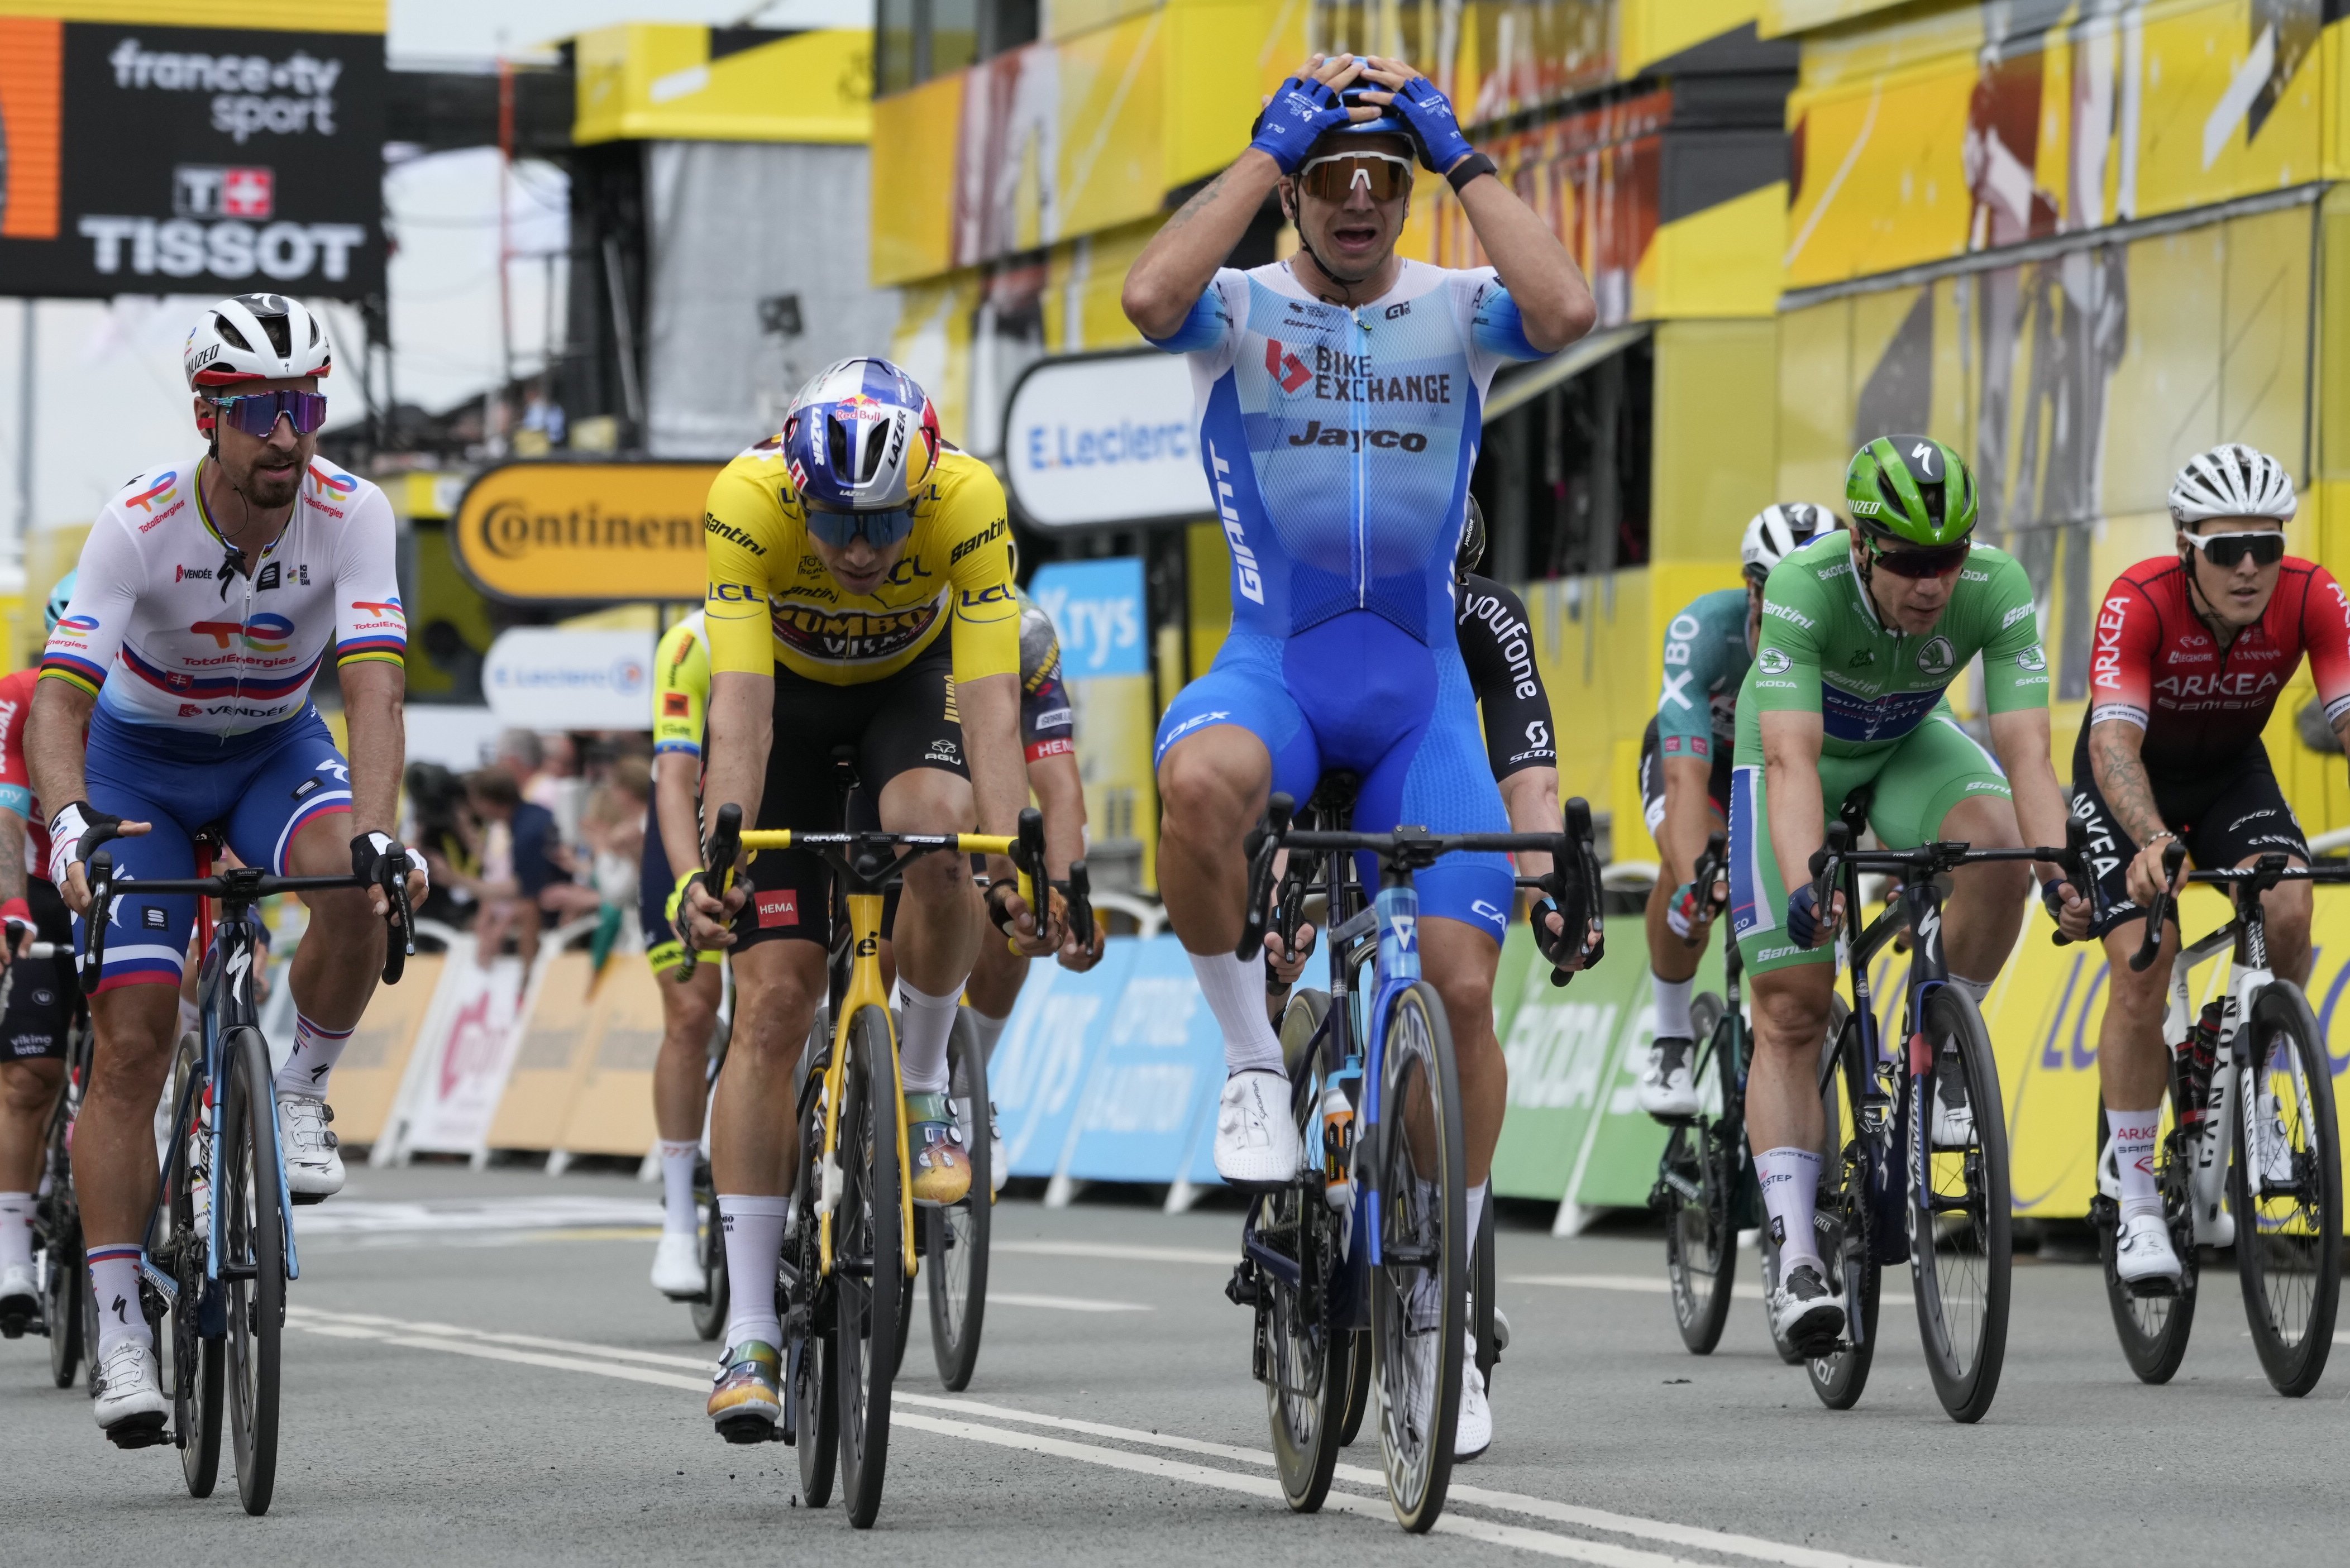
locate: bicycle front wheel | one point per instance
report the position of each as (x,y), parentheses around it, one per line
(1959,1248)
(815,1392)
(252,1262)
(1839,1377)
(1697,1182)
(2286,1186)
(869,1262)
(190,1364)
(956,1236)
(1420,1283)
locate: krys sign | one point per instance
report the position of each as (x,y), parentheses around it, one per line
(152,160)
(585,531)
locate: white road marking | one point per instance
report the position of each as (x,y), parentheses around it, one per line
(483,1344)
(356,1216)
(1645,1284)
(1062,1303)
(1118,1251)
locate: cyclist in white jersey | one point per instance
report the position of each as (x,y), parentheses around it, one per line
(210,592)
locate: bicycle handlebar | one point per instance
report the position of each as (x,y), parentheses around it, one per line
(242,886)
(2174,854)
(1709,871)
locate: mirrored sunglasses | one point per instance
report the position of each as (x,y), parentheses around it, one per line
(1939,562)
(256,413)
(2226,551)
(1383,174)
(880,529)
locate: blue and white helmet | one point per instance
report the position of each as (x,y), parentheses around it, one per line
(59,597)
(860,437)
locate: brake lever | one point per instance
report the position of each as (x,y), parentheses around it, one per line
(2174,854)
(725,848)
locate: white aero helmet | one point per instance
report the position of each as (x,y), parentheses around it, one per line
(1779,530)
(2232,481)
(257,337)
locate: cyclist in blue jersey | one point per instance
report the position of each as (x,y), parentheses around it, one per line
(1340,397)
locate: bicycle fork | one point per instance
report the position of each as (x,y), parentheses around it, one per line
(1397,913)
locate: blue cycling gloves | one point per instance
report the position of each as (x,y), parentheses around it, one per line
(1301,111)
(1428,112)
(1803,917)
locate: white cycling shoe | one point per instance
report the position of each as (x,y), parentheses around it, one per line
(677,1266)
(20,1300)
(1667,1088)
(314,1165)
(2143,1253)
(1954,1118)
(1473,1434)
(127,1395)
(1804,1314)
(1256,1140)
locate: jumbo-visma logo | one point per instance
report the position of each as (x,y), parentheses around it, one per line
(262,634)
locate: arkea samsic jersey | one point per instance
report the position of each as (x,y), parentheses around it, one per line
(771,601)
(1823,650)
(682,687)
(165,632)
(1338,440)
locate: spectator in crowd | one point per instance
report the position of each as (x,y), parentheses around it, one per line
(525,879)
(612,827)
(441,827)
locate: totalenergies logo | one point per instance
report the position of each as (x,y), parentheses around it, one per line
(340,483)
(75,625)
(262,634)
(161,491)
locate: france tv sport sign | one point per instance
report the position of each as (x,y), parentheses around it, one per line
(150,160)
(1099,439)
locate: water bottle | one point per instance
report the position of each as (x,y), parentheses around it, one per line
(2199,1056)
(1338,1140)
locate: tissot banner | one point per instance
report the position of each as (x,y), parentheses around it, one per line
(141,159)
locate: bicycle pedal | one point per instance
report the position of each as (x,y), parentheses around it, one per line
(139,1432)
(743,1430)
(305,1200)
(2154,1289)
(1240,1290)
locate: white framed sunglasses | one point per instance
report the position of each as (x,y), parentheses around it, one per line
(2225,551)
(1332,178)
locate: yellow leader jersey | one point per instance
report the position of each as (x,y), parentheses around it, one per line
(682,687)
(771,601)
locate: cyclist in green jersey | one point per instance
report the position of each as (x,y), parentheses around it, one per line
(1861,635)
(1685,783)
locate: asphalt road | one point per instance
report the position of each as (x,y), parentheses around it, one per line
(477,1372)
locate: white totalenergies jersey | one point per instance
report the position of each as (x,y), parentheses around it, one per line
(163,633)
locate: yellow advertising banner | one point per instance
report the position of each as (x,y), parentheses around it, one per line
(279,16)
(538,531)
(2044,1015)
(647,80)
(1937,133)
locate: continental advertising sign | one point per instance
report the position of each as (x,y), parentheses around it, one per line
(576,532)
(139,158)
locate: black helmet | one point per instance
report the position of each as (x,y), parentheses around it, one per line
(1472,553)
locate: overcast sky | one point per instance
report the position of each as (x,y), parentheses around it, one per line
(109,399)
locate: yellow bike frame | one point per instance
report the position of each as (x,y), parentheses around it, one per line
(865,990)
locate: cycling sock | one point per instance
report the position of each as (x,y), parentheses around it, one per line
(677,1162)
(1791,1179)
(1672,1005)
(2134,1135)
(1477,1194)
(754,1239)
(990,1030)
(312,1059)
(923,1038)
(15,1229)
(1235,993)
(1978,989)
(114,1286)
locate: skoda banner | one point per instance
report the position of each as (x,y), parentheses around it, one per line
(584,532)
(151,160)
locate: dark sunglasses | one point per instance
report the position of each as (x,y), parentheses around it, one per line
(256,413)
(880,529)
(1331,179)
(2226,551)
(1939,562)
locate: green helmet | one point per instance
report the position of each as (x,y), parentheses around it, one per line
(1911,487)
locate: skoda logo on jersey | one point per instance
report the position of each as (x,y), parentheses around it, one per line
(2031,659)
(1937,656)
(1773,661)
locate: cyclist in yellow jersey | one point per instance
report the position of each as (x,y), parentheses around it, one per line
(860,594)
(689,1006)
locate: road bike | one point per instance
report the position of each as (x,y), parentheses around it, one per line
(844,1282)
(1706,1186)
(2250,1158)
(220,1245)
(1358,1270)
(1914,1159)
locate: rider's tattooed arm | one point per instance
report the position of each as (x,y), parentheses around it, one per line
(2121,778)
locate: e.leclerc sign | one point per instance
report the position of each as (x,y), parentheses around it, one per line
(568,532)
(1105,438)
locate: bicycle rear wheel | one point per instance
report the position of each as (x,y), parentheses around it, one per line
(252,1262)
(1358,1387)
(2153,1329)
(958,1234)
(2286,1186)
(806,1310)
(1307,1360)
(1420,1286)
(64,1282)
(710,1309)
(868,1275)
(1697,1181)
(190,1364)
(1961,1258)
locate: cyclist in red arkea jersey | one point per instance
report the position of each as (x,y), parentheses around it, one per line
(2192,650)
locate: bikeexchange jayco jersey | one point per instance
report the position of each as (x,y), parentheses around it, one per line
(165,632)
(1338,440)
